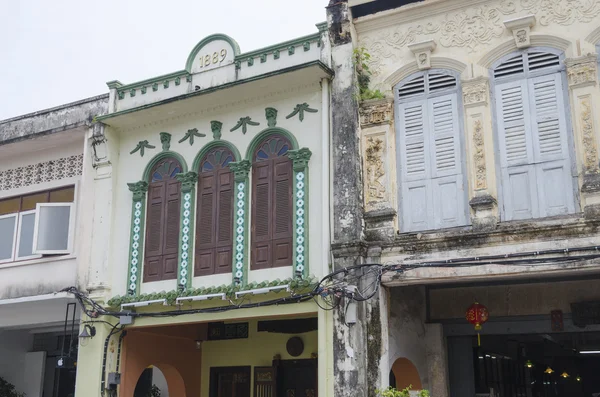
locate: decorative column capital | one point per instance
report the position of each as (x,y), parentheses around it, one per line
(165,140)
(215,127)
(375,112)
(521,30)
(138,189)
(422,52)
(299,158)
(475,92)
(271,115)
(188,180)
(240,170)
(582,71)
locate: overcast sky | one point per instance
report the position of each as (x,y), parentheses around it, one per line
(54,52)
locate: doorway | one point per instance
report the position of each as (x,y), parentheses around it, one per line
(297,378)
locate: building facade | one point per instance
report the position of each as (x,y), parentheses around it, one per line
(475,146)
(45,224)
(212,184)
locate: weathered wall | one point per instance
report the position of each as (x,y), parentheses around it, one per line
(13,347)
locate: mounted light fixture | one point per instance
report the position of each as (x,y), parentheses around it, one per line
(548,371)
(529,364)
(589,352)
(565,375)
(88,332)
(198,345)
(179,300)
(263,290)
(578,378)
(145,303)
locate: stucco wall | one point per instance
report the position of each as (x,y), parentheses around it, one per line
(13,347)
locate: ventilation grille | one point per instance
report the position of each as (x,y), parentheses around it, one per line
(535,61)
(435,83)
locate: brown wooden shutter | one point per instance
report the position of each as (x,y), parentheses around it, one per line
(162,222)
(205,231)
(224,222)
(262,178)
(154,232)
(282,213)
(214,223)
(265,384)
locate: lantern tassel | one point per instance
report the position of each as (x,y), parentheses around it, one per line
(478,340)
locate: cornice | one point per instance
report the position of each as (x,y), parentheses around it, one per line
(411,12)
(220,108)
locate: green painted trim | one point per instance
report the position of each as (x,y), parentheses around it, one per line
(132,92)
(216,127)
(141,146)
(297,286)
(155,87)
(206,40)
(244,122)
(177,80)
(241,225)
(266,133)
(144,88)
(185,266)
(190,134)
(300,109)
(211,145)
(166,84)
(271,116)
(121,94)
(300,159)
(206,91)
(114,84)
(157,79)
(322,26)
(291,50)
(165,140)
(280,46)
(136,240)
(160,156)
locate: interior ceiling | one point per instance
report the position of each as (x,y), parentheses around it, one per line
(70,137)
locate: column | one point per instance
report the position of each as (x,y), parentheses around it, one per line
(300,160)
(582,75)
(480,154)
(136,246)
(240,171)
(184,274)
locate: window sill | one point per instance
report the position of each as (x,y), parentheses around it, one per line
(36,261)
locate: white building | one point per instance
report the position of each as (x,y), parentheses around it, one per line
(45,218)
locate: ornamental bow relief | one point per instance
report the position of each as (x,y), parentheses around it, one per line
(375,170)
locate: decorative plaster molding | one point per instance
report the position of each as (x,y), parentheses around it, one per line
(479,155)
(436,63)
(375,112)
(475,92)
(582,71)
(521,29)
(562,12)
(537,40)
(594,36)
(422,52)
(64,167)
(590,158)
(375,169)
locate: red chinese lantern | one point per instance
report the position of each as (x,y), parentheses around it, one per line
(477,314)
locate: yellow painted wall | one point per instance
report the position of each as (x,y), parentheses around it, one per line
(257,350)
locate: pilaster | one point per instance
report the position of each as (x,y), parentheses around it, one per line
(240,171)
(184,273)
(300,160)
(480,154)
(136,245)
(582,75)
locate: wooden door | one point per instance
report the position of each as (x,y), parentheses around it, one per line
(297,378)
(230,382)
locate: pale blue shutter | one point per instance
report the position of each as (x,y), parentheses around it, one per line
(519,191)
(415,182)
(551,151)
(446,165)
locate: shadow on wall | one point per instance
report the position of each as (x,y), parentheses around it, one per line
(404,374)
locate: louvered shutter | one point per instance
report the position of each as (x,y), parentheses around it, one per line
(154,232)
(171,230)
(516,151)
(282,212)
(224,221)
(205,225)
(416,197)
(553,171)
(262,181)
(446,166)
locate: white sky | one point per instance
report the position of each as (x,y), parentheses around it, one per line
(58,51)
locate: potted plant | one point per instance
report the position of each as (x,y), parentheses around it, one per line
(406,392)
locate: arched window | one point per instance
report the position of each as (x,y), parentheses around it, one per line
(536,177)
(214,222)
(162,221)
(431,186)
(272,220)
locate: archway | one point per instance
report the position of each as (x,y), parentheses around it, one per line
(161,380)
(405,374)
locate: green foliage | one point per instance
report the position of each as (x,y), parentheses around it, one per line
(393,392)
(363,76)
(154,391)
(8,389)
(297,285)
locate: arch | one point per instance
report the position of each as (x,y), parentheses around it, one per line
(594,36)
(175,381)
(537,40)
(266,133)
(436,71)
(405,373)
(411,68)
(160,156)
(205,41)
(551,50)
(211,145)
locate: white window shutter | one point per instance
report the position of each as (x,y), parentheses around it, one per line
(516,152)
(53,231)
(414,156)
(8,231)
(448,187)
(553,166)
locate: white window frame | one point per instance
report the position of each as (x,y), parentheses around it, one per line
(18,237)
(13,215)
(70,236)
